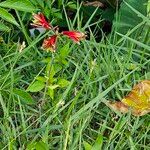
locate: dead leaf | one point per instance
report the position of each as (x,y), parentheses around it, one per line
(138,100)
(94,4)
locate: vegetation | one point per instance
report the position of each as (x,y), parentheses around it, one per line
(56,100)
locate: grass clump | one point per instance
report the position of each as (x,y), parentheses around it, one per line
(81,78)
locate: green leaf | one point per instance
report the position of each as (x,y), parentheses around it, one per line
(50,75)
(72,5)
(64,51)
(46,60)
(53,86)
(31,146)
(26,97)
(40,78)
(7,17)
(57,68)
(41,146)
(148,8)
(98,143)
(108,14)
(3,27)
(37,146)
(63,82)
(50,93)
(36,86)
(87,146)
(126,18)
(22,5)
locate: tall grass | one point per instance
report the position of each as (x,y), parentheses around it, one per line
(77,116)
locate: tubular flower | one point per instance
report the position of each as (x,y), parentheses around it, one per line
(76,36)
(40,21)
(49,44)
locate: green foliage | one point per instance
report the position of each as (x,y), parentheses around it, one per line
(55,101)
(36,86)
(126,19)
(3,27)
(98,143)
(87,146)
(96,146)
(37,146)
(7,16)
(26,97)
(21,5)
(51,79)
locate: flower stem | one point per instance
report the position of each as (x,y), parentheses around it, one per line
(23,29)
(47,81)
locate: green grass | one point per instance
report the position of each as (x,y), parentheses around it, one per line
(76,118)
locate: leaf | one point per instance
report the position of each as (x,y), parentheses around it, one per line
(98,143)
(117,106)
(138,100)
(36,86)
(40,78)
(148,8)
(3,27)
(87,146)
(51,89)
(126,19)
(72,5)
(26,97)
(7,17)
(53,86)
(41,146)
(22,5)
(51,93)
(37,146)
(52,72)
(63,82)
(64,51)
(139,97)
(57,68)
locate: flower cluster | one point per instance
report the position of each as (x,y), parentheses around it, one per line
(50,43)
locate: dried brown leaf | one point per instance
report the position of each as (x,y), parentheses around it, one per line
(138,100)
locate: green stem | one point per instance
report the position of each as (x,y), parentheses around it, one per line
(47,81)
(23,28)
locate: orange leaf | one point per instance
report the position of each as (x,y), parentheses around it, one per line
(138,100)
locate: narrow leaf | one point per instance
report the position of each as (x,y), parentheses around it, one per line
(87,146)
(3,27)
(7,16)
(22,5)
(41,146)
(127,18)
(98,143)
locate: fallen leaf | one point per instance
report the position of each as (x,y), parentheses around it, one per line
(137,101)
(94,4)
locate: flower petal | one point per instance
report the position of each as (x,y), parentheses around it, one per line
(40,21)
(76,36)
(49,44)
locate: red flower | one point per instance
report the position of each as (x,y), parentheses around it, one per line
(40,21)
(76,36)
(49,44)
